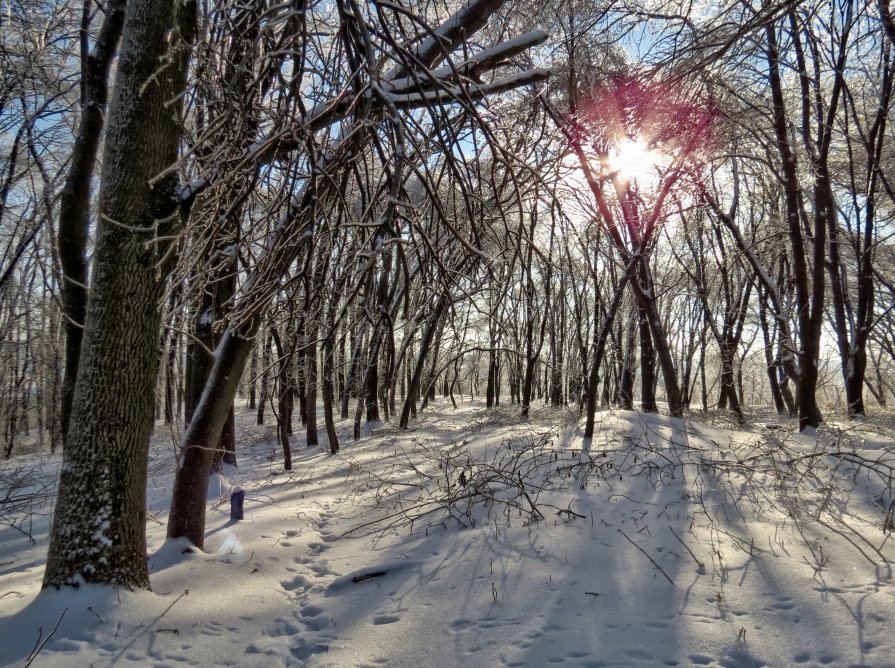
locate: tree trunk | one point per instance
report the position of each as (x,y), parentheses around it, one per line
(624,395)
(647,366)
(188,501)
(728,381)
(328,373)
(265,378)
(99,526)
(311,391)
(600,341)
(74,201)
(253,381)
(425,345)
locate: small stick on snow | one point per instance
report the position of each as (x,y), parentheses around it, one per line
(698,563)
(647,556)
(153,623)
(39,647)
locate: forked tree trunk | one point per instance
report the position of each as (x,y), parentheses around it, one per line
(728,381)
(74,201)
(188,501)
(770,363)
(99,526)
(624,393)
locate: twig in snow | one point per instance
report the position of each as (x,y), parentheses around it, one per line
(149,626)
(185,592)
(661,570)
(699,564)
(40,646)
(571,513)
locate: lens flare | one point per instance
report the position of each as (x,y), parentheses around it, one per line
(634,160)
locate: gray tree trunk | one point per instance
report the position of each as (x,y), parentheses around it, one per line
(99,532)
(74,202)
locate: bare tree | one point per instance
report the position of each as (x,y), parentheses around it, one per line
(356,116)
(99,532)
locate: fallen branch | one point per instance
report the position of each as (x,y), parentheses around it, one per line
(647,556)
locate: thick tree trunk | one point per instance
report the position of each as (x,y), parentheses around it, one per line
(99,526)
(188,502)
(644,293)
(74,201)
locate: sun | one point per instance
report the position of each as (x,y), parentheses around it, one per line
(634,160)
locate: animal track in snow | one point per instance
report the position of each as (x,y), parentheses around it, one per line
(212,628)
(315,549)
(379,620)
(298,582)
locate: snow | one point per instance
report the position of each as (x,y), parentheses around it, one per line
(661,542)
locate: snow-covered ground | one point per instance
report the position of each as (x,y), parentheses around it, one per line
(480,539)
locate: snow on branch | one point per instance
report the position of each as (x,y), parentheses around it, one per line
(472,90)
(462,25)
(419,85)
(475,65)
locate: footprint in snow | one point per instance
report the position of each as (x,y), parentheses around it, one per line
(315,549)
(298,582)
(310,611)
(461,624)
(316,621)
(379,620)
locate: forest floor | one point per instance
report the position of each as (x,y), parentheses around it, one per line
(481,539)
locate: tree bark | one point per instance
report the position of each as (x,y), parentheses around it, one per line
(647,366)
(74,201)
(99,526)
